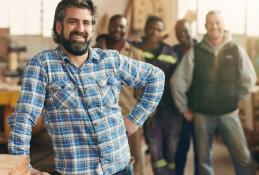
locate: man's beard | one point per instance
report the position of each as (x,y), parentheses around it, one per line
(75,47)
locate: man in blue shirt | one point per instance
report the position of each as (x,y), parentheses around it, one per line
(76,90)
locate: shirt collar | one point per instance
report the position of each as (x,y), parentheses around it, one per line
(92,55)
(62,55)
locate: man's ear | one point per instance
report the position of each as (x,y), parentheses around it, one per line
(58,27)
(205,26)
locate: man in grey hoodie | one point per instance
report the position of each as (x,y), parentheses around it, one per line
(213,77)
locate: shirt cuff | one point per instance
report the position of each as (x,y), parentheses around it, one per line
(138,116)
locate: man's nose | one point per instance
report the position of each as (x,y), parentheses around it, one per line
(214,26)
(155,32)
(183,34)
(80,27)
(117,28)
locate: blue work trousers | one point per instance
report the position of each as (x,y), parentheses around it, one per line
(161,133)
(187,135)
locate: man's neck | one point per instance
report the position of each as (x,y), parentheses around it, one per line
(216,41)
(77,60)
(150,46)
(186,46)
(116,45)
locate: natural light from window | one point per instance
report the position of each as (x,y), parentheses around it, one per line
(28,17)
(35,17)
(241,16)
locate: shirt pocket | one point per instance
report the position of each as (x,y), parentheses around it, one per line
(63,95)
(109,90)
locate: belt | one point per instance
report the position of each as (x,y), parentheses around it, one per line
(127,171)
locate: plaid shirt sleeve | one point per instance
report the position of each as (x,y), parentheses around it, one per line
(28,108)
(147,77)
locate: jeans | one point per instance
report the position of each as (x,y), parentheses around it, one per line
(128,170)
(228,126)
(187,134)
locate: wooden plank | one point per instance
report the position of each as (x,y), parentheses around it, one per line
(8,100)
(14,164)
(5,98)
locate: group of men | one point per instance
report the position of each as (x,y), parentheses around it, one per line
(190,91)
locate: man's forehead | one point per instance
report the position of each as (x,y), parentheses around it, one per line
(120,20)
(156,24)
(182,26)
(215,17)
(78,13)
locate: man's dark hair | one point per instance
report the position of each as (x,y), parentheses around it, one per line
(179,22)
(60,13)
(152,19)
(115,17)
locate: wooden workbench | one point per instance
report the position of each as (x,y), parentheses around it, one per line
(8,99)
(9,95)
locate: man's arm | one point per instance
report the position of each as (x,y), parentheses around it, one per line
(149,79)
(180,83)
(248,75)
(28,108)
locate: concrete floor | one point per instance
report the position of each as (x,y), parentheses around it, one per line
(221,161)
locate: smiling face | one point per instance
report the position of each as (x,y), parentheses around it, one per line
(215,26)
(76,30)
(117,28)
(154,31)
(183,33)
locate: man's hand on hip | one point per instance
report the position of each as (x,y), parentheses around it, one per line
(131,128)
(188,115)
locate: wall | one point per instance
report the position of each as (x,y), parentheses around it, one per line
(35,44)
(105,7)
(111,6)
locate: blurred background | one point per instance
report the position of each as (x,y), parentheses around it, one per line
(25,30)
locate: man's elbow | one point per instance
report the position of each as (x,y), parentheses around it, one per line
(160,75)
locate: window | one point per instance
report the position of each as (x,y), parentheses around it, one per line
(28,17)
(49,7)
(240,15)
(4,15)
(252,18)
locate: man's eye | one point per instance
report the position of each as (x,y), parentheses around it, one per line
(72,22)
(87,23)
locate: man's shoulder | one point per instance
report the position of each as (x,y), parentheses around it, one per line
(99,51)
(132,51)
(45,55)
(168,50)
(101,54)
(232,48)
(176,46)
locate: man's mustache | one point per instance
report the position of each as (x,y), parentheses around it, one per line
(83,34)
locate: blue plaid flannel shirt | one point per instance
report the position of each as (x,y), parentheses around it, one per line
(80,108)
